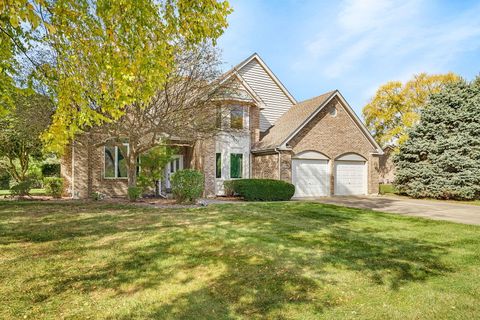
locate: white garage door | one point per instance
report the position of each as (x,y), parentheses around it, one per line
(310,177)
(350,177)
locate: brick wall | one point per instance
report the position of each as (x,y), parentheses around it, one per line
(335,136)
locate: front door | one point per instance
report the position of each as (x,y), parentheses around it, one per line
(172,167)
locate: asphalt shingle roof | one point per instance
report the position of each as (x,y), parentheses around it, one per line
(290,121)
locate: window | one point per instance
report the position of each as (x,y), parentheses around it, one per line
(218,165)
(236,165)
(236,117)
(333,112)
(115,161)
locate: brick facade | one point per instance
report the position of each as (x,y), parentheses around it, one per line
(335,136)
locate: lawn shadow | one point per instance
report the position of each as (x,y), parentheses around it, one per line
(241,259)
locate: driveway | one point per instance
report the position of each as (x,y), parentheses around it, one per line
(437,210)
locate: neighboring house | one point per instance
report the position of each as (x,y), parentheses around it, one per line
(386,166)
(319,145)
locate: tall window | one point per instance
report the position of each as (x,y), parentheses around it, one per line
(236,117)
(115,161)
(218,165)
(236,165)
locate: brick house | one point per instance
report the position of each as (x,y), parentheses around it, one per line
(319,145)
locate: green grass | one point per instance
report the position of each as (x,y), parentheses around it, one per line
(241,261)
(387,189)
(37,192)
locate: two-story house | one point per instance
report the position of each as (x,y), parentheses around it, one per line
(320,145)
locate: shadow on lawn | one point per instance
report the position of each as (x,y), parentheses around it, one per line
(267,256)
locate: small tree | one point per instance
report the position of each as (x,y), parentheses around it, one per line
(441,158)
(152,166)
(20,131)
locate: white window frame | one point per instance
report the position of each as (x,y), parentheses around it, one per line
(115,162)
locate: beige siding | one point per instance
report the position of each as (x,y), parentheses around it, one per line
(275,100)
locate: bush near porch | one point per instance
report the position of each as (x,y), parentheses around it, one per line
(261,189)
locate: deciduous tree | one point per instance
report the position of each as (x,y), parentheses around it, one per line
(107,54)
(396,106)
(20,131)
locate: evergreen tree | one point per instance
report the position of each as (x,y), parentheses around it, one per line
(441,158)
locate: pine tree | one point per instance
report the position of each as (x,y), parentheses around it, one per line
(441,158)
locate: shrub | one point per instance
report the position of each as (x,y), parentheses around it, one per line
(4,180)
(228,188)
(53,186)
(51,169)
(263,189)
(134,193)
(187,185)
(96,196)
(21,188)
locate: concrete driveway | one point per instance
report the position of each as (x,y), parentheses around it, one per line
(437,210)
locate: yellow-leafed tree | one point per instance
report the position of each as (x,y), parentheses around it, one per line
(396,106)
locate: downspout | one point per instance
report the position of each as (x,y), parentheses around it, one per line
(73,169)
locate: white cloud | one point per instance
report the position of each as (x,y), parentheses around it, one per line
(386,32)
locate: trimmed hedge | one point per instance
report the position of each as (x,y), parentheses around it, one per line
(51,170)
(262,189)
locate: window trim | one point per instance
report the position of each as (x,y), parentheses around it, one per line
(115,162)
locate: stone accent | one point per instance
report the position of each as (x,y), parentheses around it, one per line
(335,135)
(265,166)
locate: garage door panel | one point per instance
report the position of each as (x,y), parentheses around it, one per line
(350,177)
(310,177)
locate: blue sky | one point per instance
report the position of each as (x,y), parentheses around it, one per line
(354,45)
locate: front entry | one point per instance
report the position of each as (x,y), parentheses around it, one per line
(172,167)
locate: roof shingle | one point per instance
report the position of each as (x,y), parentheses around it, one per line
(290,121)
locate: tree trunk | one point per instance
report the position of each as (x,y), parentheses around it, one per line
(132,169)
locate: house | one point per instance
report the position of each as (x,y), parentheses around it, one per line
(319,145)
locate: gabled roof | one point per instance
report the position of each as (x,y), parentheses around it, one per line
(295,119)
(256,57)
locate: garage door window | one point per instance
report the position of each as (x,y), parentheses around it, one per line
(236,165)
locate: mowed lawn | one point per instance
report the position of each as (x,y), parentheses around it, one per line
(241,261)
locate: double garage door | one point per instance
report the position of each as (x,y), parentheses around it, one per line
(311,177)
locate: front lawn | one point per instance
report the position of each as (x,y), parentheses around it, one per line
(33,192)
(271,260)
